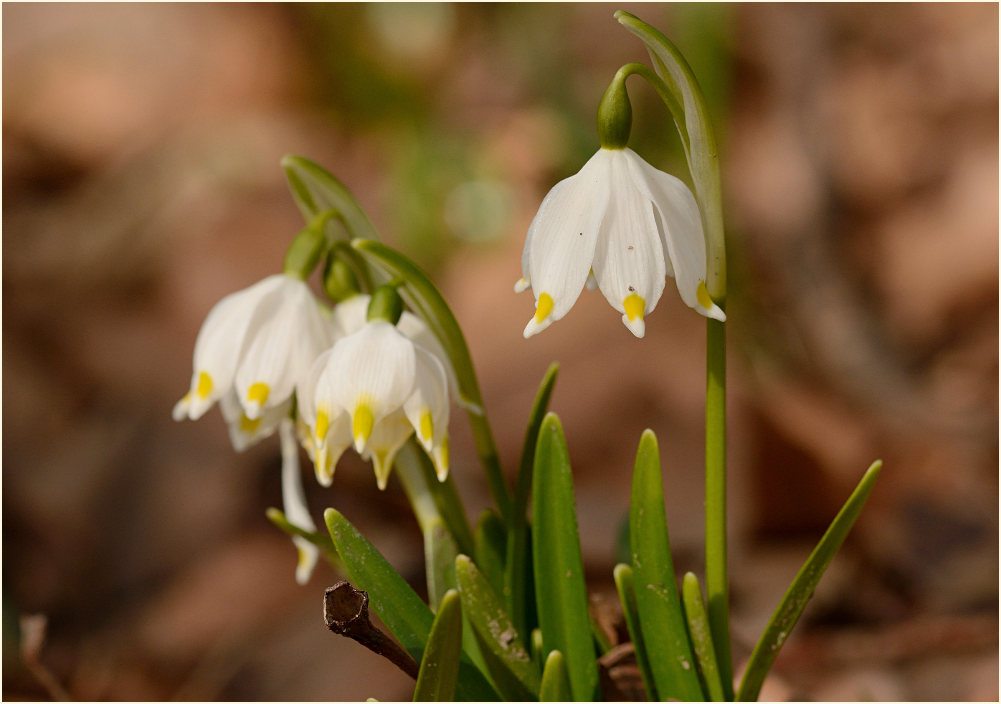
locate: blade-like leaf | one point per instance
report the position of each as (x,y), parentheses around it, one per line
(701,636)
(560,591)
(663,625)
(623,575)
(439,556)
(490,539)
(440,666)
(555,679)
(315,191)
(802,587)
(405,615)
(514,674)
(423,296)
(518,585)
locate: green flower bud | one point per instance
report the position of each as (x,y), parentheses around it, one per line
(386,304)
(339,280)
(304,253)
(615,114)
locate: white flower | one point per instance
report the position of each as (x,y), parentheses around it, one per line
(253,348)
(622,226)
(294,502)
(376,386)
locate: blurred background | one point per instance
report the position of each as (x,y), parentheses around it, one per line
(141,183)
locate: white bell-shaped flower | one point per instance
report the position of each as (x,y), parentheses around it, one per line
(294,502)
(622,226)
(253,348)
(372,390)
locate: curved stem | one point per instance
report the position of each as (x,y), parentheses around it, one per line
(676,109)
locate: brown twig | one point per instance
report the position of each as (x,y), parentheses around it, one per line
(345,611)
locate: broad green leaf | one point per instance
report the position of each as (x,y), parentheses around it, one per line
(316,191)
(703,157)
(518,584)
(490,540)
(555,679)
(321,541)
(702,639)
(560,591)
(513,673)
(664,636)
(802,588)
(420,293)
(405,615)
(623,575)
(440,666)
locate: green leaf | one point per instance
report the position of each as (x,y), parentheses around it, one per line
(701,151)
(490,540)
(555,679)
(802,587)
(702,639)
(405,615)
(439,557)
(446,498)
(657,601)
(623,575)
(514,674)
(518,585)
(423,296)
(440,666)
(315,191)
(560,591)
(321,541)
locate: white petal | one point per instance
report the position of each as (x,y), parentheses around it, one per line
(681,231)
(561,240)
(629,257)
(349,315)
(372,370)
(427,408)
(282,349)
(294,503)
(221,341)
(387,438)
(417,330)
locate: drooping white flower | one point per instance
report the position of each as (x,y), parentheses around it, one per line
(253,348)
(374,388)
(622,226)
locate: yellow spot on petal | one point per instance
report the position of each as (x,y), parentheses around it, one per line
(441,460)
(634,306)
(362,422)
(382,468)
(259,392)
(702,296)
(427,426)
(322,425)
(249,426)
(204,387)
(544,307)
(303,561)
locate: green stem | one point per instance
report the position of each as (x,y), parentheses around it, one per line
(717,583)
(676,109)
(416,489)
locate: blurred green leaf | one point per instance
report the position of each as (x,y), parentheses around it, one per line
(663,625)
(560,591)
(316,191)
(518,583)
(555,679)
(444,494)
(802,588)
(321,541)
(623,575)
(702,639)
(511,668)
(439,555)
(440,666)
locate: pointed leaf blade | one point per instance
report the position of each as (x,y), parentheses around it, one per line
(560,591)
(316,191)
(439,670)
(668,648)
(802,588)
(623,575)
(555,679)
(701,636)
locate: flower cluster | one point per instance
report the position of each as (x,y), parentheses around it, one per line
(353,375)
